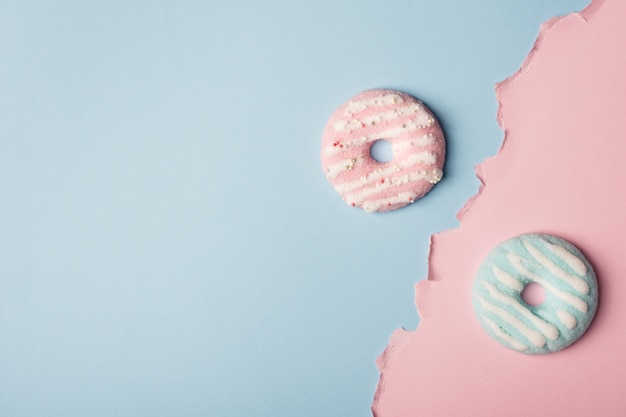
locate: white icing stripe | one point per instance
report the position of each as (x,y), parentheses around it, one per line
(567,319)
(569,298)
(409,126)
(359,196)
(547,329)
(570,259)
(507,279)
(421,141)
(415,159)
(379,101)
(534,336)
(423,118)
(375,205)
(513,342)
(337,168)
(574,281)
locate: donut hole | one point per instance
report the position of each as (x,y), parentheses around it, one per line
(381,151)
(533,294)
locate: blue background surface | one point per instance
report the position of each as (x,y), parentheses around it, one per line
(169,243)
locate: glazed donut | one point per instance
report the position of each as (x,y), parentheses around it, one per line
(416,140)
(566,277)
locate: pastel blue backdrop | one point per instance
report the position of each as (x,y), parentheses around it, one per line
(169,245)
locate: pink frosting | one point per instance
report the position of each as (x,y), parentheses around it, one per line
(415,137)
(561,171)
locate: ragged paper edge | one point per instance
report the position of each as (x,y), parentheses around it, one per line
(401,337)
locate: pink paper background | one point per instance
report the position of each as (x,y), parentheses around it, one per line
(559,171)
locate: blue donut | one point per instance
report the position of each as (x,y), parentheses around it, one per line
(564,273)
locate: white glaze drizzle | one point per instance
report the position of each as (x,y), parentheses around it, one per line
(358,197)
(507,279)
(435,176)
(499,332)
(574,281)
(535,337)
(421,141)
(547,329)
(337,168)
(569,258)
(411,160)
(569,298)
(379,101)
(409,126)
(414,109)
(567,319)
(424,119)
(375,205)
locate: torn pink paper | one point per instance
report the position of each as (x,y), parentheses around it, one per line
(561,171)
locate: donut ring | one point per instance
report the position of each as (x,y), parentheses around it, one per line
(416,139)
(569,283)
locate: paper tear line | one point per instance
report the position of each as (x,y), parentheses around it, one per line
(400,337)
(480,170)
(544,29)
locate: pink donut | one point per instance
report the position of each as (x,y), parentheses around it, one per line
(416,139)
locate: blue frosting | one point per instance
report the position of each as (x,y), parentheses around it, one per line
(564,273)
